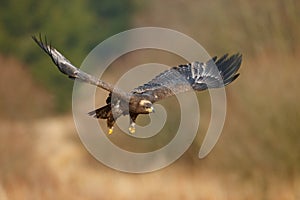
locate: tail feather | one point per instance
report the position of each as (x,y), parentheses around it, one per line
(102,112)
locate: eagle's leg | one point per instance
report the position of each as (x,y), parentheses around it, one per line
(132,127)
(110,124)
(132,117)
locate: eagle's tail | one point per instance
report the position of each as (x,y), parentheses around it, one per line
(102,112)
(228,67)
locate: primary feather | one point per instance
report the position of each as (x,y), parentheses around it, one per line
(199,76)
(67,68)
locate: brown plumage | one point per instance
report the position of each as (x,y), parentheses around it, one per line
(197,76)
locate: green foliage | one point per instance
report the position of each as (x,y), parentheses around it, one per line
(74,27)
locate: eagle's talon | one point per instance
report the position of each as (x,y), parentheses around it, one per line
(131,128)
(110,131)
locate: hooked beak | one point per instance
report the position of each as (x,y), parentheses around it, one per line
(151,109)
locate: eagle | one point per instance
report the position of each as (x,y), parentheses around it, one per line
(197,76)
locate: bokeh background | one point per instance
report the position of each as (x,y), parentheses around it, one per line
(258,154)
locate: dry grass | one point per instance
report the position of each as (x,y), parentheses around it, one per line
(44,159)
(251,27)
(257,156)
(57,166)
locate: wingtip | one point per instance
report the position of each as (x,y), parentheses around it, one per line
(239,55)
(40,40)
(43,44)
(35,39)
(229,80)
(229,66)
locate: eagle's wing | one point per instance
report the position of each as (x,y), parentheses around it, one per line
(66,67)
(198,76)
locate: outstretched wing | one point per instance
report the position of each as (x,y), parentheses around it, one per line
(66,67)
(63,64)
(198,76)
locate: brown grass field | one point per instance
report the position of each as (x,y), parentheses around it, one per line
(257,156)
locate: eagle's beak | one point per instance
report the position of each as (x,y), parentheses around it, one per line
(151,109)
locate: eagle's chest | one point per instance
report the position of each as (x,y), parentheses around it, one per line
(119,107)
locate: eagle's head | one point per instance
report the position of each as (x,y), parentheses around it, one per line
(146,106)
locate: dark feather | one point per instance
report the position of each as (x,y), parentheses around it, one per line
(102,112)
(198,76)
(67,68)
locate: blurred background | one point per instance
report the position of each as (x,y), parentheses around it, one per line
(258,153)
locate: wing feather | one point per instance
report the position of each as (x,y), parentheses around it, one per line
(66,67)
(198,76)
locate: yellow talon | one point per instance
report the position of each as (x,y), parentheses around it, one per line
(110,131)
(131,129)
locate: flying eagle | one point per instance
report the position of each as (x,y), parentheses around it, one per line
(199,76)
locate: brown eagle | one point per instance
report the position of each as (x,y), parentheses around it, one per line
(214,73)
